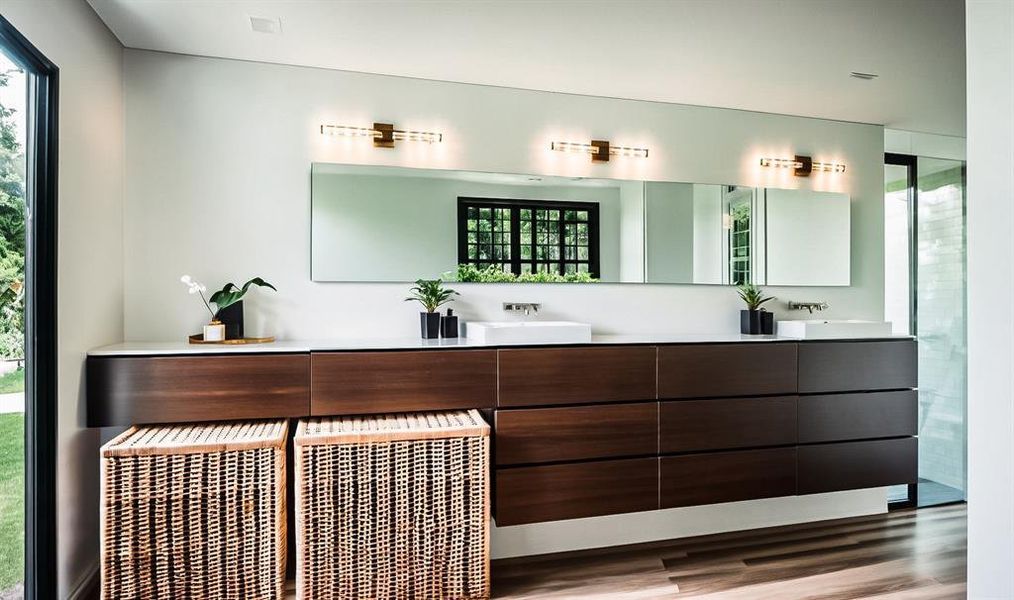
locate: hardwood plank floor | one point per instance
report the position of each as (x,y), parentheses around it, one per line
(903,555)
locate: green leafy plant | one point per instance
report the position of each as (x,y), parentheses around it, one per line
(227,296)
(231,293)
(753,296)
(431,293)
(468,273)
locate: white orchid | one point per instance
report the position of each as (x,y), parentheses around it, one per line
(195,287)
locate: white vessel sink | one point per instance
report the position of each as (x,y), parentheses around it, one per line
(824,329)
(528,332)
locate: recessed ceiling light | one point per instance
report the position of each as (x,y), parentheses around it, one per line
(864,76)
(266,25)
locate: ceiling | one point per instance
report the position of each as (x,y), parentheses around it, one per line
(779,56)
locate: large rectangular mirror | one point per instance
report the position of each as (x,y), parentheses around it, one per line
(394,224)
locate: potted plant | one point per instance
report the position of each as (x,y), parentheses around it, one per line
(755,319)
(227,321)
(214,331)
(229,302)
(431,294)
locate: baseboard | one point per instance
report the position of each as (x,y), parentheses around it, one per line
(675,523)
(87,587)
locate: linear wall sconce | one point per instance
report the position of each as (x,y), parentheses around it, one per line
(384,134)
(802,166)
(600,150)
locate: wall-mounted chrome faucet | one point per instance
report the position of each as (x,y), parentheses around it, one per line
(526,307)
(810,306)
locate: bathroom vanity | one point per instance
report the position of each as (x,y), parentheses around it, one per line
(618,425)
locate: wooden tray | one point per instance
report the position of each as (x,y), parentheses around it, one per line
(198,338)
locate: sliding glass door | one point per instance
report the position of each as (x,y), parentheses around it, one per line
(924,295)
(28,120)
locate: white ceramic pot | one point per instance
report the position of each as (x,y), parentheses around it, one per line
(214,332)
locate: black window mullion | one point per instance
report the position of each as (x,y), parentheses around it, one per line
(515,240)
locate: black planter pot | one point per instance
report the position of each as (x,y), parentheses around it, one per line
(750,322)
(232,317)
(429,325)
(767,322)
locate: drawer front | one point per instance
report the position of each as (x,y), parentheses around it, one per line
(727,423)
(857,366)
(842,417)
(716,370)
(571,491)
(727,477)
(534,435)
(347,383)
(545,376)
(180,389)
(857,465)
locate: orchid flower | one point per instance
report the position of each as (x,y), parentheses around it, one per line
(195,287)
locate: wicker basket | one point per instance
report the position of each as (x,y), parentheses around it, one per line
(392,506)
(194,511)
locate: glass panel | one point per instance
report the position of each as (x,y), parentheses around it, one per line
(940,326)
(932,279)
(13,127)
(897,248)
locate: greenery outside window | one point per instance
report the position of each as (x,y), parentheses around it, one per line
(529,236)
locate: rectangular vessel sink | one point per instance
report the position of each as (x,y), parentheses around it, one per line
(826,329)
(528,332)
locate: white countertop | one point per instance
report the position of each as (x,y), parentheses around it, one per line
(409,343)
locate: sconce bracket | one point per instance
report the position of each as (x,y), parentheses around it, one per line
(602,151)
(805,166)
(386,138)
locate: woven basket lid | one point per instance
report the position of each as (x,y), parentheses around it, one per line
(387,428)
(192,438)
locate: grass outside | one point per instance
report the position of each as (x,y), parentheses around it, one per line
(12,499)
(12,382)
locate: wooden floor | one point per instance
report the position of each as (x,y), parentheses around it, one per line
(901,555)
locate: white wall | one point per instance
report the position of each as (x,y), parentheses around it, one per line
(90,252)
(990,55)
(224,144)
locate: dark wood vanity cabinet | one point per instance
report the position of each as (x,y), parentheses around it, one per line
(575,490)
(583,431)
(857,465)
(540,435)
(714,477)
(857,366)
(134,390)
(351,383)
(727,423)
(552,376)
(717,370)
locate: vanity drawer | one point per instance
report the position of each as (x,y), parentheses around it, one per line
(716,370)
(547,376)
(180,389)
(348,383)
(857,465)
(841,417)
(857,366)
(534,435)
(727,423)
(572,491)
(727,476)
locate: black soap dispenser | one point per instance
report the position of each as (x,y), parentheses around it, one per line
(449,324)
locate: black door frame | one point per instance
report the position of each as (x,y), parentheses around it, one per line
(40,313)
(912,169)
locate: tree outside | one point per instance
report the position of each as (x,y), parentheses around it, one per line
(12,329)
